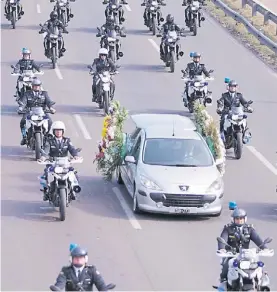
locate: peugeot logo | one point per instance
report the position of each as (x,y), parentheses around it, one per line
(184,188)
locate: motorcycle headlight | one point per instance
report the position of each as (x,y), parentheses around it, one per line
(170,40)
(193,8)
(25,79)
(216,186)
(53,36)
(111,39)
(58,170)
(152,8)
(235,117)
(149,184)
(34,118)
(105,79)
(113,6)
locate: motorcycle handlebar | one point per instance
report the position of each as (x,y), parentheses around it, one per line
(71,161)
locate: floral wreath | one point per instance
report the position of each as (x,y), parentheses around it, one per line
(207,127)
(111,148)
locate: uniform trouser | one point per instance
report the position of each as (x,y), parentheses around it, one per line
(224,271)
(47,43)
(20,9)
(23,123)
(96,87)
(120,13)
(187,14)
(221,123)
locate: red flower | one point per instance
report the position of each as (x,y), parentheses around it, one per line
(104,144)
(101,155)
(110,138)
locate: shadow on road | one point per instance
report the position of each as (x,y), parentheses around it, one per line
(16,153)
(84,29)
(27,210)
(74,67)
(9,110)
(143,67)
(162,111)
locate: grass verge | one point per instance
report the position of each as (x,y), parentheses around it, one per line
(240,32)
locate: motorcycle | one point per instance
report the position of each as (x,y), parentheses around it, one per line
(61,8)
(113,10)
(36,128)
(245,271)
(105,89)
(27,77)
(54,44)
(111,42)
(153,16)
(170,50)
(194,17)
(62,182)
(236,132)
(198,90)
(13,13)
(80,287)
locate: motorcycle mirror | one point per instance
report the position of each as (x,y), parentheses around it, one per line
(267,240)
(221,240)
(89,67)
(211,71)
(54,288)
(12,66)
(250,101)
(183,71)
(40,24)
(162,19)
(41,65)
(110,286)
(79,149)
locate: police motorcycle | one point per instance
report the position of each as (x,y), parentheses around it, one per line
(153,16)
(25,84)
(198,90)
(113,10)
(245,271)
(194,17)
(13,13)
(105,89)
(54,38)
(36,128)
(236,131)
(61,8)
(170,55)
(62,182)
(81,288)
(111,42)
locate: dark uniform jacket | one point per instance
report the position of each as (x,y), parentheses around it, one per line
(26,65)
(68,280)
(232,235)
(36,99)
(50,24)
(100,65)
(226,101)
(166,26)
(193,69)
(53,149)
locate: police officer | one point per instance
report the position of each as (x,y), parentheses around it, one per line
(168,25)
(79,275)
(120,10)
(110,25)
(100,64)
(48,26)
(34,98)
(238,234)
(229,98)
(193,69)
(26,63)
(68,9)
(56,146)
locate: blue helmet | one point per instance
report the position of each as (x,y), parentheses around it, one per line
(26,51)
(72,246)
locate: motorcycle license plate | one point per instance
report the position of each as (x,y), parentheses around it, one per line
(182,210)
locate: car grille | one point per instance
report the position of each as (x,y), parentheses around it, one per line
(184,200)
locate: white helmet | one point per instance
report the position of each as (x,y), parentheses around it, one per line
(103,51)
(58,125)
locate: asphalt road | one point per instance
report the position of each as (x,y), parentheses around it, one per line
(137,253)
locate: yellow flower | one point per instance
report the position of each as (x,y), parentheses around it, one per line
(104,132)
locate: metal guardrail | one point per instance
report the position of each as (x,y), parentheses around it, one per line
(268,15)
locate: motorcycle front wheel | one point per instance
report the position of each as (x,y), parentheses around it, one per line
(62,205)
(106,102)
(13,20)
(172,61)
(238,145)
(38,145)
(54,57)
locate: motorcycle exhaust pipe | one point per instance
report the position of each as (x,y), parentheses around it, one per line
(161,19)
(181,54)
(202,18)
(63,50)
(120,54)
(77,189)
(71,15)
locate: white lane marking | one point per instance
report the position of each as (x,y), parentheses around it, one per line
(262,159)
(128,8)
(38,9)
(58,72)
(82,127)
(154,44)
(70,121)
(132,219)
(47,207)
